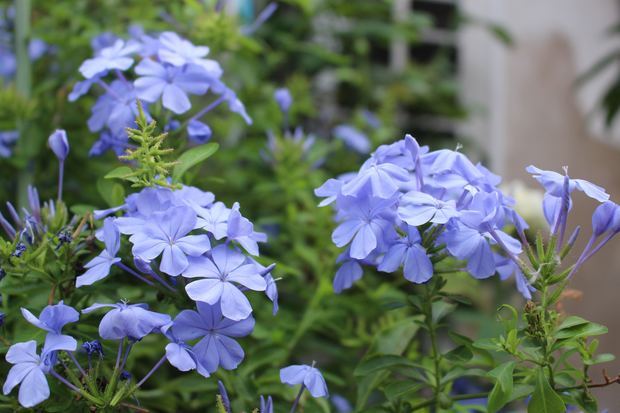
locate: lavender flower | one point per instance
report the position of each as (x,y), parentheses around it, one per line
(219,274)
(7,139)
(283,99)
(28,371)
(99,267)
(309,377)
(52,319)
(166,234)
(112,57)
(353,138)
(133,321)
(216,348)
(171,83)
(59,144)
(406,206)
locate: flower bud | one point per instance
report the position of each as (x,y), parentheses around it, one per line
(283,99)
(59,144)
(605,218)
(198,132)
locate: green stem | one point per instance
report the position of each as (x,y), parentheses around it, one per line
(546,345)
(23,85)
(458,397)
(430,325)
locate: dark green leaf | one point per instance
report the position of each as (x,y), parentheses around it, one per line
(381,362)
(193,157)
(545,399)
(500,395)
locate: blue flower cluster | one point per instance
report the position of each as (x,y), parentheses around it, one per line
(167,69)
(184,233)
(405,203)
(410,207)
(215,348)
(191,235)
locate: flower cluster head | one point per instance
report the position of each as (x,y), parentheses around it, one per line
(163,68)
(190,235)
(408,207)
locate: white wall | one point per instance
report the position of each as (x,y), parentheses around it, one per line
(532,114)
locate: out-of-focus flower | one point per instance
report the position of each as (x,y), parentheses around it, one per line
(309,376)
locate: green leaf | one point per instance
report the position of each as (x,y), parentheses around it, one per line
(576,327)
(441,309)
(402,389)
(502,390)
(545,399)
(112,193)
(381,362)
(122,172)
(601,358)
(193,157)
(461,354)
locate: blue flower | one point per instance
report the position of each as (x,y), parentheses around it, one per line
(329,190)
(198,131)
(52,319)
(133,321)
(29,369)
(230,97)
(220,272)
(283,99)
(102,41)
(171,83)
(308,376)
(81,88)
(381,179)
(59,144)
(266,406)
(606,218)
(107,141)
(349,272)
(166,234)
(216,348)
(409,253)
(7,139)
(114,57)
(364,223)
(9,63)
(117,109)
(93,347)
(214,219)
(99,267)
(553,183)
(180,354)
(353,138)
(178,52)
(241,230)
(417,208)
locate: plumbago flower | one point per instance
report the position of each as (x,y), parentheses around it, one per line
(163,68)
(408,206)
(172,231)
(29,371)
